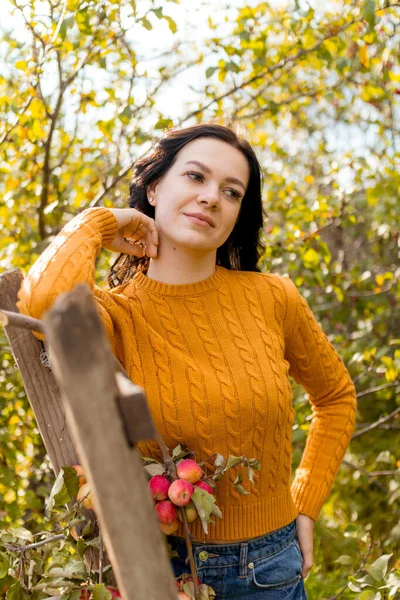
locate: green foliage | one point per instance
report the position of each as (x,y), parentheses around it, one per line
(316,87)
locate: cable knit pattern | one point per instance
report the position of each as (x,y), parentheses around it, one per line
(214,358)
(253,368)
(280,307)
(255,306)
(227,392)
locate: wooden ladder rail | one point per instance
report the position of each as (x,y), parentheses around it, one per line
(94,408)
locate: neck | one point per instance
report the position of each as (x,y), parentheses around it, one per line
(177,265)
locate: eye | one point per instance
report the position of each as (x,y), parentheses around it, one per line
(235,194)
(200,177)
(196,175)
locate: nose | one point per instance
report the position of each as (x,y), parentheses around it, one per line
(209,197)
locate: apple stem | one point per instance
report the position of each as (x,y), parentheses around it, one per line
(209,458)
(167,459)
(171,469)
(189,549)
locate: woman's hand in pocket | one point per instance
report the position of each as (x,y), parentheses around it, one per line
(305,535)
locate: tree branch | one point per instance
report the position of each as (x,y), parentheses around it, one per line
(358,570)
(280,65)
(377,389)
(9,130)
(376,423)
(365,472)
(18,548)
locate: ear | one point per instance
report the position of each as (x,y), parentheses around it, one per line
(151,192)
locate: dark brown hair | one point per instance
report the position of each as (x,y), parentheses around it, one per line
(243,248)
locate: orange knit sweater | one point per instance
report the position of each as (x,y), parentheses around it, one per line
(214,358)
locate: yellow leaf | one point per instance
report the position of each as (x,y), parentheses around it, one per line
(308,39)
(391,374)
(10,496)
(394,76)
(37,130)
(311,259)
(364,56)
(12,184)
(379,279)
(371,198)
(21,64)
(331,46)
(37,109)
(371,92)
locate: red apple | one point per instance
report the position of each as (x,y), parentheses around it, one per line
(85,595)
(204,486)
(158,487)
(180,492)
(85,496)
(189,470)
(166,511)
(114,592)
(183,596)
(168,528)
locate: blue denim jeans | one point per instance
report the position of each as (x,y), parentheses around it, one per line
(268,567)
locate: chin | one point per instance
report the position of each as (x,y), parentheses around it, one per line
(194,242)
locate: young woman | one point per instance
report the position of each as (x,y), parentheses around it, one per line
(212,340)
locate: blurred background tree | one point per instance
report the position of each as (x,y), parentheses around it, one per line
(86,87)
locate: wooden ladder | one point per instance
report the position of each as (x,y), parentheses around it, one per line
(88,413)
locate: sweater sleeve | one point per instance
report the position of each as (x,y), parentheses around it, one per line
(67,261)
(315,365)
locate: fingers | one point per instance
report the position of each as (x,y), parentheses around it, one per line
(308,563)
(144,231)
(151,239)
(137,233)
(127,247)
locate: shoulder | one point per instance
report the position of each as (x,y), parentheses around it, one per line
(282,287)
(110,296)
(277,292)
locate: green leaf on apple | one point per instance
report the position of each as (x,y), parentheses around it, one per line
(204,503)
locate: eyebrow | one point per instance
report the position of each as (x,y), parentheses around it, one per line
(208,170)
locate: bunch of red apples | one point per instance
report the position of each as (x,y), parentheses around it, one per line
(170,496)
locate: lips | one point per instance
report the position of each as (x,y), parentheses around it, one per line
(200,218)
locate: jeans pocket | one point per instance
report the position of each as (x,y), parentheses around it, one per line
(279,570)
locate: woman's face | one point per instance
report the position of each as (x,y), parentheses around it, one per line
(208,177)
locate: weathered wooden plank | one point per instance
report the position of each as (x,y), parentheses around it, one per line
(137,420)
(84,370)
(40,386)
(43,395)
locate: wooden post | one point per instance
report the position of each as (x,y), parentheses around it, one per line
(83,366)
(40,386)
(43,395)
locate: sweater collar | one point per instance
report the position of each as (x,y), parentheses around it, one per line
(141,281)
